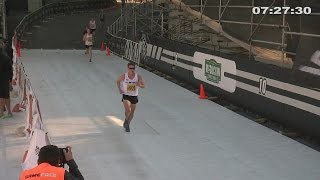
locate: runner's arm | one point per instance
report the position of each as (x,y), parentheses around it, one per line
(140,82)
(121,78)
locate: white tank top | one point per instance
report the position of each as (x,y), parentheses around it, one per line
(93,25)
(129,85)
(88,39)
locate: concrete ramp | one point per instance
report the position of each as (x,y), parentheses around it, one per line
(174,135)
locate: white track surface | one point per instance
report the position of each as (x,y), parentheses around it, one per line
(174,135)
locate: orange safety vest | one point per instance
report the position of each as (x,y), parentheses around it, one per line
(44,171)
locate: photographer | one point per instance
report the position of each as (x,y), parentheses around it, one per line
(49,165)
(6,74)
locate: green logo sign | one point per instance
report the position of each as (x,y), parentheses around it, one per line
(213,70)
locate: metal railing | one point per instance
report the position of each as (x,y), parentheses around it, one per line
(115,27)
(182,30)
(57,8)
(252,40)
(140,17)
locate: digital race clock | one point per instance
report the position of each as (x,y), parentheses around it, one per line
(282,10)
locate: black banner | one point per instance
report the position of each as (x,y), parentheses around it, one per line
(289,96)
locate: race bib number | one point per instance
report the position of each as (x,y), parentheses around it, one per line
(131,87)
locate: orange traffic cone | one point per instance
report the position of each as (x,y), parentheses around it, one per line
(102,46)
(107,51)
(202,92)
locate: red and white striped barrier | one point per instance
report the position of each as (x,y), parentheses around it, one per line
(37,137)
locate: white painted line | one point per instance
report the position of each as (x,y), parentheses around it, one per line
(185,57)
(154,51)
(180,56)
(159,53)
(182,65)
(282,99)
(149,48)
(281,85)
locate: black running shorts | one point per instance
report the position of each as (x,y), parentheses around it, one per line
(132,99)
(87,46)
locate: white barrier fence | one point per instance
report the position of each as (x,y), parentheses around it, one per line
(132,51)
(37,136)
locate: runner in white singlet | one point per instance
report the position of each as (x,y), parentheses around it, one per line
(88,42)
(128,85)
(92,25)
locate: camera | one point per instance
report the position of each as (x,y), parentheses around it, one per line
(62,157)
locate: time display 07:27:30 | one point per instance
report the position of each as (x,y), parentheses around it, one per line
(282,10)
